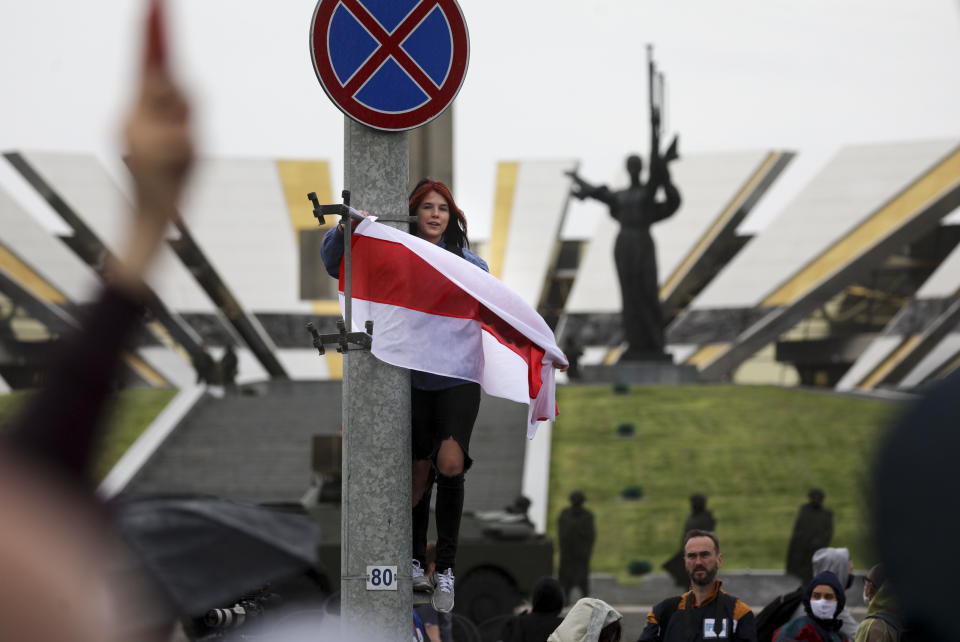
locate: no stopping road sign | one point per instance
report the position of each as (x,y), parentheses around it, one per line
(390,64)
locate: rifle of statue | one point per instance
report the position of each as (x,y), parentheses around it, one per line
(656,85)
(657,90)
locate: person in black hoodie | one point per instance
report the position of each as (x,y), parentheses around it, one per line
(823,602)
(537,624)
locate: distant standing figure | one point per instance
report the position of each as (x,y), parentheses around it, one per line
(228,367)
(577,534)
(700,519)
(636,208)
(203,364)
(573,351)
(812,530)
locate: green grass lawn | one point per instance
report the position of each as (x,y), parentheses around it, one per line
(131,412)
(753,451)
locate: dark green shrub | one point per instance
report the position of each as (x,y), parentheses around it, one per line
(639,567)
(632,493)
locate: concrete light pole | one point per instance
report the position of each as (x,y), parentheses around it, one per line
(376,526)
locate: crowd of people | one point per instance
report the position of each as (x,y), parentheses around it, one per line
(816,612)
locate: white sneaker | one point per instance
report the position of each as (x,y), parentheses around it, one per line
(420,581)
(442,599)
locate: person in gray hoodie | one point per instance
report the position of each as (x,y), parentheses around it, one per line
(837,561)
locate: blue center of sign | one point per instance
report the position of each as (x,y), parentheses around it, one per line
(431,46)
(390,88)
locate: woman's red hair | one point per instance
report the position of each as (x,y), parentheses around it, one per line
(456,233)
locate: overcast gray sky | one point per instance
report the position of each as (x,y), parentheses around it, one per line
(547,79)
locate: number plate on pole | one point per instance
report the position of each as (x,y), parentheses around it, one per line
(381,578)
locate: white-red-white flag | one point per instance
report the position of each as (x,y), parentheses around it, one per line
(435,312)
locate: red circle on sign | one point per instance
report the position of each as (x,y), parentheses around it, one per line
(343,96)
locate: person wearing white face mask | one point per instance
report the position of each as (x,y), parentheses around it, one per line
(823,603)
(837,561)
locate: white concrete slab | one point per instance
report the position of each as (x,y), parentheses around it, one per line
(83,182)
(237,212)
(854,184)
(945,280)
(535,483)
(708,182)
(933,361)
(539,202)
(249,369)
(593,355)
(174,368)
(305,364)
(46,255)
(681,352)
(878,350)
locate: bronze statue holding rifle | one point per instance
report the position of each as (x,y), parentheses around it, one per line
(637,208)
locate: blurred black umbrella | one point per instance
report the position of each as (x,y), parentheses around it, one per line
(204,552)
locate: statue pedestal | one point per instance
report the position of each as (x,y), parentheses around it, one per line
(651,372)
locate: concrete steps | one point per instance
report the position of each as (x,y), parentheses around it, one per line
(252,448)
(257,447)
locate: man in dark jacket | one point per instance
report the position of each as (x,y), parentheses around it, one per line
(577,535)
(812,530)
(705,611)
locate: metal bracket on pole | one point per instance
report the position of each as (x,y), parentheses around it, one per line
(343,339)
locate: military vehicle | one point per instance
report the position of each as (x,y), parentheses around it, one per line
(499,557)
